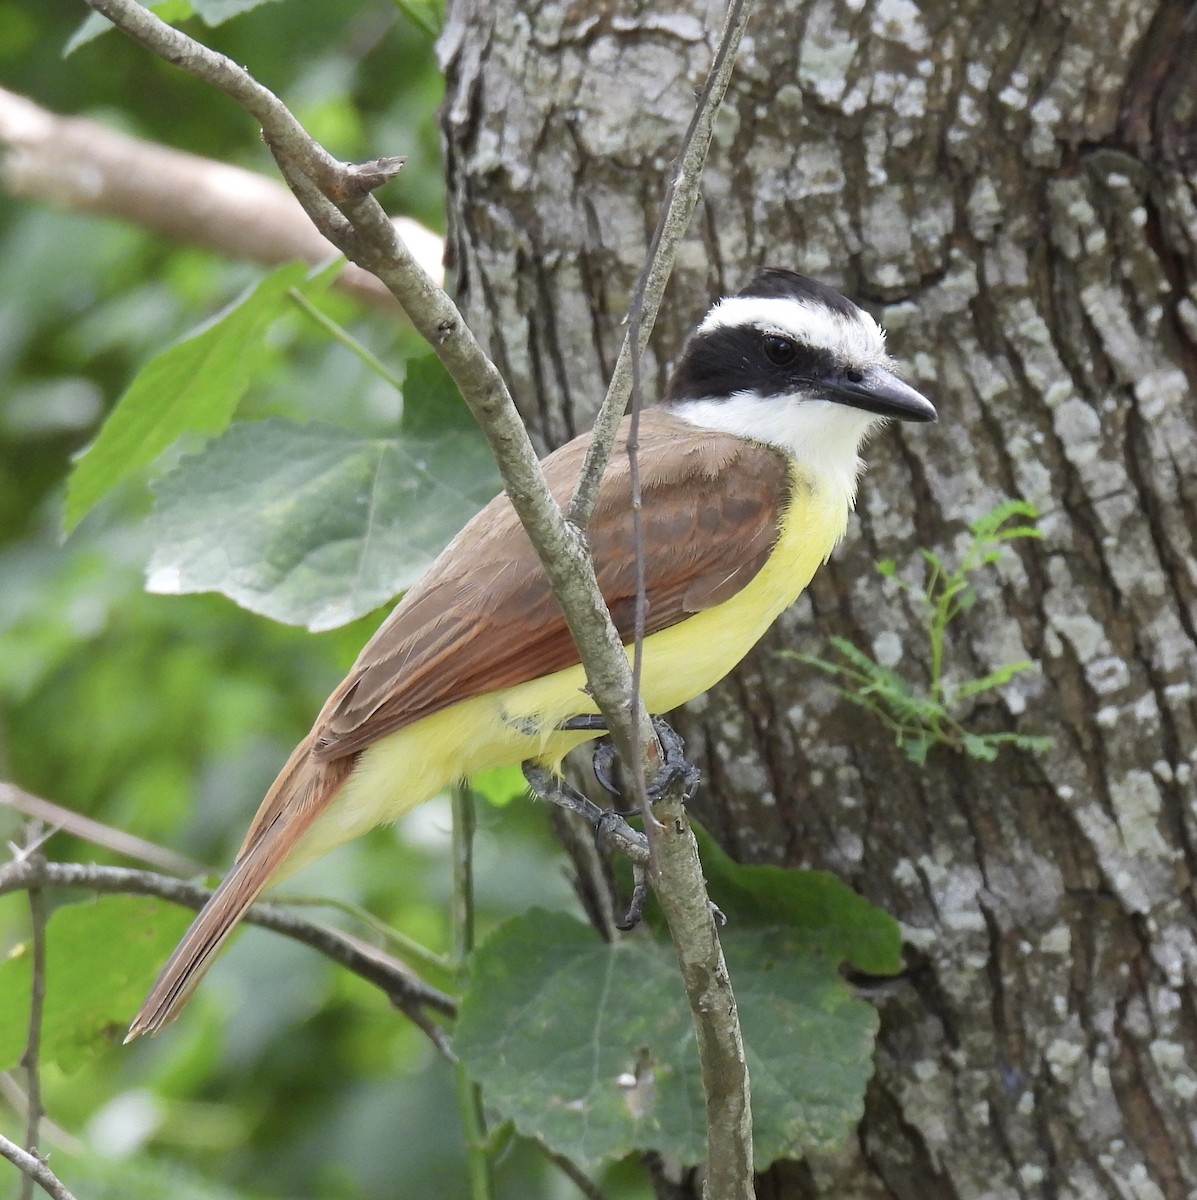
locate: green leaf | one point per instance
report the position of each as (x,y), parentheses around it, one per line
(1033,742)
(996,678)
(866,664)
(986,525)
(101,956)
(216,12)
(981,746)
(830,915)
(93,24)
(916,747)
(554,1017)
(432,405)
(1019,531)
(589,1047)
(886,567)
(192,386)
(310,525)
(812,660)
(808,1042)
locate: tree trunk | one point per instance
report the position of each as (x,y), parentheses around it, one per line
(1012,189)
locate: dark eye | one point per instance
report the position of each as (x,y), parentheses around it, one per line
(780,351)
(854,376)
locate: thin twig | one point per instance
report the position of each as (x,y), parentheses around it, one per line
(97,832)
(573,1173)
(637,759)
(680,198)
(469,1094)
(385,972)
(37,1001)
(415,954)
(675,868)
(33,1168)
(342,335)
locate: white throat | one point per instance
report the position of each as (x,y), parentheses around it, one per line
(821,436)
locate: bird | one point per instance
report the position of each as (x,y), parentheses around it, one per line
(748,472)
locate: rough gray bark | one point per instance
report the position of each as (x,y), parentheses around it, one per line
(1013,189)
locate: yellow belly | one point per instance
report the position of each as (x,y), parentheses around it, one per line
(414,764)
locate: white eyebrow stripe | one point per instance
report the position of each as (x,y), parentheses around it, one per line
(856,339)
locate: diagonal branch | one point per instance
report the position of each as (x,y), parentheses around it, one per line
(676,870)
(393,977)
(96,832)
(34,1168)
(681,196)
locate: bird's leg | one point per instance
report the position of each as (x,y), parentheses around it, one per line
(611,828)
(547,786)
(612,832)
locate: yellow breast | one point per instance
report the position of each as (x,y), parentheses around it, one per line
(689,658)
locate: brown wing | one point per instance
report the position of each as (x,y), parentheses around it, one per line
(483,617)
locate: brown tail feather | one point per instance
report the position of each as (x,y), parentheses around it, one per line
(301,792)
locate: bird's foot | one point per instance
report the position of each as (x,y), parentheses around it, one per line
(612,832)
(673,772)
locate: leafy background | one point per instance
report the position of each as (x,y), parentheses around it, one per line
(168,714)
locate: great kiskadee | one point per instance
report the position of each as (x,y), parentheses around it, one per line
(748,471)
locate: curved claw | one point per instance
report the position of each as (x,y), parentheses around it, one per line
(604,766)
(635,911)
(675,767)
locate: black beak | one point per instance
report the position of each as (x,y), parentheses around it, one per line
(879,391)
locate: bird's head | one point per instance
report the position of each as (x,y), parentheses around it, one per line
(791,362)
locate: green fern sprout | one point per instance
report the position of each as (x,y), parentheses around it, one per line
(922,716)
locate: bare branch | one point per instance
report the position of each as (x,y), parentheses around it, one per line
(96,832)
(386,972)
(676,872)
(725,1084)
(37,1001)
(34,1169)
(81,165)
